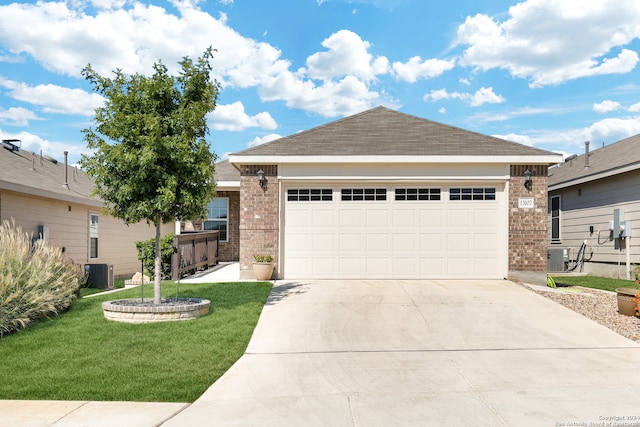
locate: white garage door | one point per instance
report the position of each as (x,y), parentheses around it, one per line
(386,232)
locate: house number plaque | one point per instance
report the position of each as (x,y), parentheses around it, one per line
(525,202)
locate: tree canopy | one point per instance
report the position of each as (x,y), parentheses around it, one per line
(150,158)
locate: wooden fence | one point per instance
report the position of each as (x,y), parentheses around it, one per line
(195,251)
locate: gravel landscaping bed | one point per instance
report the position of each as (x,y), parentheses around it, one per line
(599,306)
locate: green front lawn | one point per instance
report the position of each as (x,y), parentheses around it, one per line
(81,356)
(603,283)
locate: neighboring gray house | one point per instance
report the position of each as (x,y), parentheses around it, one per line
(584,191)
(382,195)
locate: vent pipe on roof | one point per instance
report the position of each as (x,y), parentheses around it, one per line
(66,183)
(586,154)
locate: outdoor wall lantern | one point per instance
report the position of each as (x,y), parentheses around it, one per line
(527,179)
(262,180)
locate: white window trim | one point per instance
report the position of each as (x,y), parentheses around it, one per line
(221,219)
(91,234)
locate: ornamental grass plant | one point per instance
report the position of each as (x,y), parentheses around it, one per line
(36,280)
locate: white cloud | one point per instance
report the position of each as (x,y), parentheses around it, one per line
(232,117)
(17,116)
(606,106)
(53,98)
(64,38)
(482,96)
(550,42)
(416,68)
(635,108)
(347,55)
(485,95)
(611,130)
(264,139)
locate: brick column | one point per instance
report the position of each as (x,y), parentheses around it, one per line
(259,216)
(528,236)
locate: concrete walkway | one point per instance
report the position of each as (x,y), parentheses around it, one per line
(368,353)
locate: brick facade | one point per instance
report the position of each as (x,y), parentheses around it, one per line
(259,216)
(528,226)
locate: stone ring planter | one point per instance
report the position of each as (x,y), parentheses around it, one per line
(136,311)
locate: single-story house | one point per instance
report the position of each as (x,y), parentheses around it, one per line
(585,192)
(52,200)
(386,195)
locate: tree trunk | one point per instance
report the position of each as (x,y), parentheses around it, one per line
(157,292)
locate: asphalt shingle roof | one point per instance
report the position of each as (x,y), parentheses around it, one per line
(382,131)
(226,172)
(28,172)
(624,154)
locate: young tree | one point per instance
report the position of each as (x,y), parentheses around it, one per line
(151,160)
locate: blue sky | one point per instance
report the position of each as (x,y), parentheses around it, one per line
(546,73)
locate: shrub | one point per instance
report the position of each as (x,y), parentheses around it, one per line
(36,280)
(166,250)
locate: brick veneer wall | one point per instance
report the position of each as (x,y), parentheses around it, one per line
(528,227)
(259,216)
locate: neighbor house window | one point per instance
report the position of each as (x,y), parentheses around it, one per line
(93,236)
(218,217)
(310,195)
(472,194)
(555,218)
(355,194)
(417,194)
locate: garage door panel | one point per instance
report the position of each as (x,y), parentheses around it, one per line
(377,267)
(484,243)
(377,218)
(389,239)
(350,218)
(458,218)
(405,267)
(376,243)
(431,267)
(405,243)
(433,218)
(323,218)
(485,218)
(404,218)
(432,243)
(323,242)
(458,242)
(350,243)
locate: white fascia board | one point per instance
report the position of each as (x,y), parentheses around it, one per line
(228,185)
(259,160)
(71,198)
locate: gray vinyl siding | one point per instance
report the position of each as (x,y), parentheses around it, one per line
(592,204)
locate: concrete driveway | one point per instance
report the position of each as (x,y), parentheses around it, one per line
(381,353)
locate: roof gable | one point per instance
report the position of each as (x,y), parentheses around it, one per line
(386,132)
